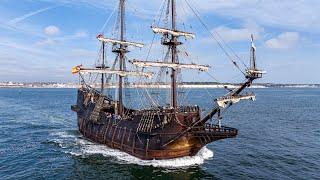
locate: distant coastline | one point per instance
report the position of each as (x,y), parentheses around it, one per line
(163,86)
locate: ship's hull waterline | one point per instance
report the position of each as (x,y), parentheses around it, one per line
(127,136)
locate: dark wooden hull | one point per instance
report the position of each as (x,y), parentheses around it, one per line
(129,136)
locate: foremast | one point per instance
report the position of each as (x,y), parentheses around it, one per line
(234,96)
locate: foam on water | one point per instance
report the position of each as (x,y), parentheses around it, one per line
(62,134)
(64,139)
(87,148)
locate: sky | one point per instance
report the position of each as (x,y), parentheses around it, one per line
(41,40)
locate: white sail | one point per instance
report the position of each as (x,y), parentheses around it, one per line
(173,32)
(169,65)
(225,100)
(255,71)
(114,41)
(120,73)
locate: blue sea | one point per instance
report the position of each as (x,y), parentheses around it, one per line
(279,138)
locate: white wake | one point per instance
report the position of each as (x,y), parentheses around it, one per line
(87,148)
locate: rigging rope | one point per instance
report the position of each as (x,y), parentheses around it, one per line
(232,51)
(218,42)
(108,19)
(161,9)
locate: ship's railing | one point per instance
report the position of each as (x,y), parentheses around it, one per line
(167,110)
(207,129)
(188,109)
(95,92)
(236,96)
(214,129)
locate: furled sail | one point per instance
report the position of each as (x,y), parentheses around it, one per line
(100,37)
(225,100)
(169,65)
(118,72)
(173,32)
(252,71)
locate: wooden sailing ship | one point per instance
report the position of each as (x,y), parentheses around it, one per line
(157,132)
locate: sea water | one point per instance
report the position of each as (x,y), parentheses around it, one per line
(279,138)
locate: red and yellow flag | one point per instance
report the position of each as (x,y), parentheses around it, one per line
(76,69)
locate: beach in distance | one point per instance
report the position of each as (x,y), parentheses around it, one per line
(161,86)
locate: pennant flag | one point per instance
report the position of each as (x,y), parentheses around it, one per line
(252,43)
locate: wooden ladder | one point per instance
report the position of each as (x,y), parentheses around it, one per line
(96,111)
(146,122)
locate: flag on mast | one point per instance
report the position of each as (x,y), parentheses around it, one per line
(76,69)
(252,43)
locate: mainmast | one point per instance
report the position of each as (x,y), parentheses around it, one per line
(173,46)
(170,39)
(121,52)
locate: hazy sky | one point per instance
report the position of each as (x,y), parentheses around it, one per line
(41,40)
